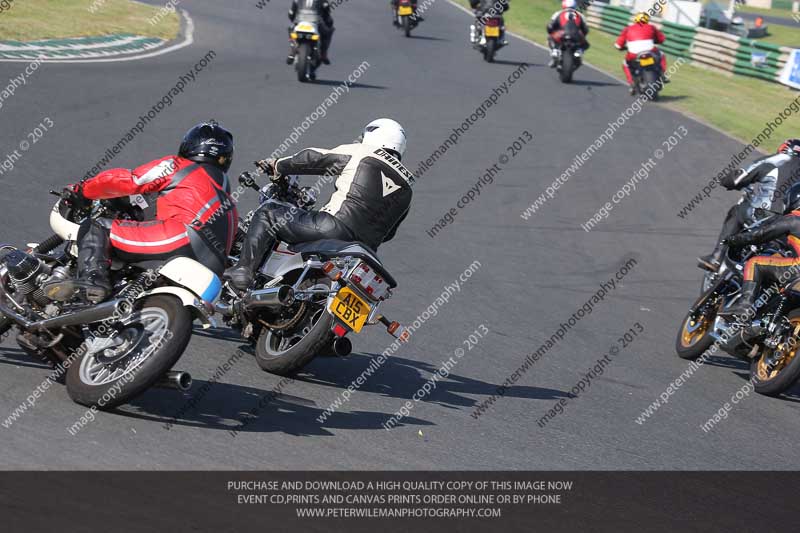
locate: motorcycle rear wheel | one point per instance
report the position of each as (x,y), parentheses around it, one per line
(773,382)
(155,336)
(407,25)
(567,66)
(490,50)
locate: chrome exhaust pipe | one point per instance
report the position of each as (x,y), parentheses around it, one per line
(95,313)
(273,297)
(175,379)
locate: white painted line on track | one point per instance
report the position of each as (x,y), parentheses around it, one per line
(187,41)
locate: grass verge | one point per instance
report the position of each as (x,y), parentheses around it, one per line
(29,20)
(738,105)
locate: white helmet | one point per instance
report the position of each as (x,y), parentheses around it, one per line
(569,4)
(385,133)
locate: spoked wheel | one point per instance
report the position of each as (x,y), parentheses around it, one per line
(694,337)
(127,357)
(774,371)
(286,350)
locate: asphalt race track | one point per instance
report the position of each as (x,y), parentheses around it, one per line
(533,274)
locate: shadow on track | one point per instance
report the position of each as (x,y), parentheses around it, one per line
(592,83)
(515,63)
(334,83)
(665,99)
(428,38)
(17,357)
(240,409)
(402,378)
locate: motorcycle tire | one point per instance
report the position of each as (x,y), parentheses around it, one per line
(775,384)
(287,362)
(301,64)
(692,341)
(407,25)
(567,66)
(177,320)
(652,82)
(490,50)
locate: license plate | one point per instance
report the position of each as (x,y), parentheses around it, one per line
(647,61)
(304,27)
(492,31)
(350,308)
(405,10)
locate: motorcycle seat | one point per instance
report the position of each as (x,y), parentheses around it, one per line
(328,248)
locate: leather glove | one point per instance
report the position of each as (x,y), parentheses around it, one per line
(734,241)
(267,166)
(73,196)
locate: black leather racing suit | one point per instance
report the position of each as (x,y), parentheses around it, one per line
(320,12)
(490,8)
(764,184)
(372,197)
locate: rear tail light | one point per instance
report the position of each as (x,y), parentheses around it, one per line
(339,330)
(493,22)
(366,279)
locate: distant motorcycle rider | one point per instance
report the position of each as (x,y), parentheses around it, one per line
(395,4)
(187,211)
(764,183)
(320,11)
(640,37)
(762,268)
(567,21)
(372,197)
(485,9)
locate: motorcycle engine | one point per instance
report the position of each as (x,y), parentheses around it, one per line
(27,274)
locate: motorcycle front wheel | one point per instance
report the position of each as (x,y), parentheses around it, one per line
(130,356)
(302,62)
(694,336)
(774,371)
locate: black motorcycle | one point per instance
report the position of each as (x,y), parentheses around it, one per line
(767,337)
(306,298)
(405,18)
(570,57)
(490,39)
(647,75)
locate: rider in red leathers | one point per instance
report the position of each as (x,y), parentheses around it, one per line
(566,20)
(187,211)
(641,36)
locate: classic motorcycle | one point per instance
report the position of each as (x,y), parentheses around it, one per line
(570,57)
(306,298)
(646,73)
(305,38)
(112,350)
(767,340)
(406,20)
(490,39)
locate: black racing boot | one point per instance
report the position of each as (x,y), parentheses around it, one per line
(742,308)
(258,241)
(94,261)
